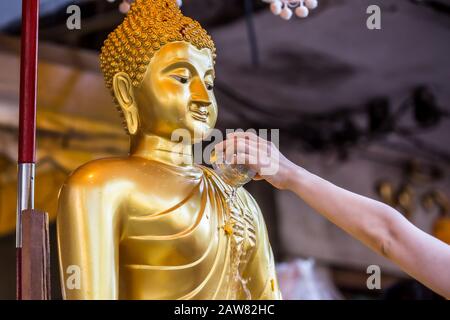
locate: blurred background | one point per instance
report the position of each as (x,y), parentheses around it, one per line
(365,109)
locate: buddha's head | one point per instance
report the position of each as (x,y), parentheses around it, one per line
(159,66)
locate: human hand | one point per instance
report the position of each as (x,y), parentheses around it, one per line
(258,154)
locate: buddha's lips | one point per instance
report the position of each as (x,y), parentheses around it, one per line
(199,113)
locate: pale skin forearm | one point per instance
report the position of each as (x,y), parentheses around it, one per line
(367,220)
(378,226)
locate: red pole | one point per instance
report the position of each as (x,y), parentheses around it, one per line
(27,122)
(28,81)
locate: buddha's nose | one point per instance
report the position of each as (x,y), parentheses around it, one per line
(199,93)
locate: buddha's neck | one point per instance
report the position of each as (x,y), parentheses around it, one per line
(157,148)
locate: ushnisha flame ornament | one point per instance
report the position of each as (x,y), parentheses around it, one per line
(286,8)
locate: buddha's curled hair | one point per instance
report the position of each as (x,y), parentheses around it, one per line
(148,26)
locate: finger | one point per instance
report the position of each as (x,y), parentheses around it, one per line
(248,135)
(263,145)
(252,159)
(219,147)
(247,160)
(222,153)
(240,147)
(243,142)
(256,143)
(243,134)
(262,157)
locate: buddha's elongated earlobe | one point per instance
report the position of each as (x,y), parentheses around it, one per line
(123,91)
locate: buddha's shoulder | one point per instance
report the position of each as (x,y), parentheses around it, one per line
(123,170)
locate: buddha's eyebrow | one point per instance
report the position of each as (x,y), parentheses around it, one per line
(180,64)
(188,65)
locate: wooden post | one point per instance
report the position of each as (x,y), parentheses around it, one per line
(35,256)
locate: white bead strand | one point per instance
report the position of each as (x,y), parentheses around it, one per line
(276,7)
(302,12)
(286,13)
(285,8)
(311,4)
(124,7)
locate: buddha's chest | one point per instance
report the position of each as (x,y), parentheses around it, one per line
(206,225)
(197,248)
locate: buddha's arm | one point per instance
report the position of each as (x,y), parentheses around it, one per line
(87,241)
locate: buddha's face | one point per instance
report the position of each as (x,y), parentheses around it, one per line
(177,92)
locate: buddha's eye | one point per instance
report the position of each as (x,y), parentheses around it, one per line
(181,79)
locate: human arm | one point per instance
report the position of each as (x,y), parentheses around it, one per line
(378,226)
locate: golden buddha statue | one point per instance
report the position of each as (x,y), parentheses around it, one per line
(154,225)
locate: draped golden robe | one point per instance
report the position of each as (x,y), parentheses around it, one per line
(179,235)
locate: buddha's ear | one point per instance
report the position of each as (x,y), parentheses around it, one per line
(123,91)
